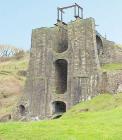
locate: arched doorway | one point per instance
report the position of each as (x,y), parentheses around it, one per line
(22,110)
(59,107)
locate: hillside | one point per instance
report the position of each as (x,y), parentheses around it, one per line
(102,121)
(12,81)
(98,119)
(13,76)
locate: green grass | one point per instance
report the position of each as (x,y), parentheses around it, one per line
(13,66)
(112,67)
(103,121)
(119,45)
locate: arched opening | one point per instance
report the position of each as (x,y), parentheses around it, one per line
(9,116)
(62,40)
(99,45)
(61,76)
(59,107)
(22,110)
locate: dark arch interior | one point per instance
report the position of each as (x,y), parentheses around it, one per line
(99,44)
(61,76)
(22,110)
(9,117)
(59,107)
(62,44)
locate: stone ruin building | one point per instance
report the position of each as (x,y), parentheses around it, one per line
(65,67)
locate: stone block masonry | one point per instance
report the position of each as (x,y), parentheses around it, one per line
(63,69)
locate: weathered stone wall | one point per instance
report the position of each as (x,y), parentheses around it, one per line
(112,82)
(118,54)
(82,41)
(73,44)
(64,69)
(110,53)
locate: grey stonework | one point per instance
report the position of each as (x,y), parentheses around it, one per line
(64,69)
(112,82)
(108,51)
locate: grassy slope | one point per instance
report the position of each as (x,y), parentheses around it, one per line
(11,84)
(103,121)
(112,67)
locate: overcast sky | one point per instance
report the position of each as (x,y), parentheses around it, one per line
(19,17)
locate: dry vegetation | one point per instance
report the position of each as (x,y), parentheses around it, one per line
(12,81)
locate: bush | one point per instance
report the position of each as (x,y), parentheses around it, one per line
(19,54)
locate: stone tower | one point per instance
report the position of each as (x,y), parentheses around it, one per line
(63,69)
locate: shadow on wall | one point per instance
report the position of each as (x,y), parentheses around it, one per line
(99,45)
